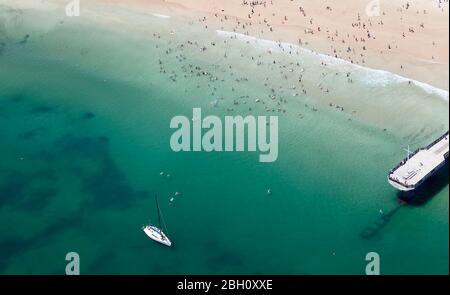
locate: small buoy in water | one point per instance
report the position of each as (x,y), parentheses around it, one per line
(161,173)
(177,194)
(168,175)
(381,212)
(269,192)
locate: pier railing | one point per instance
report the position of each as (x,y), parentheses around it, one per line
(402,184)
(412,155)
(418,150)
(437,140)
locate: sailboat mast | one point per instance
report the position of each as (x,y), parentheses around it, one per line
(159,215)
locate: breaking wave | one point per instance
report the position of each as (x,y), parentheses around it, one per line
(160,15)
(373,76)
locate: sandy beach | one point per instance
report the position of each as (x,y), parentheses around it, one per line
(409,38)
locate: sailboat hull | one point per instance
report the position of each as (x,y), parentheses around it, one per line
(157,235)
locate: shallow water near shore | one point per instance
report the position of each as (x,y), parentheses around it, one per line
(85,112)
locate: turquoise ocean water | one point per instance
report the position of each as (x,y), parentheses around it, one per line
(85,108)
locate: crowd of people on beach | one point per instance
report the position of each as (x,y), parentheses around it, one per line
(281,77)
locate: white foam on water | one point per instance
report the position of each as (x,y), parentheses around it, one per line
(160,15)
(372,76)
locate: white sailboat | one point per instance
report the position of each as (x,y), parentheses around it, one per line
(155,232)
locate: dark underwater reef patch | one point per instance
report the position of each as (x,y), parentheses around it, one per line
(16,98)
(32,134)
(17,190)
(88,115)
(105,184)
(13,247)
(38,199)
(42,109)
(60,225)
(87,158)
(9,248)
(12,187)
(221,258)
(108,187)
(83,160)
(102,263)
(87,147)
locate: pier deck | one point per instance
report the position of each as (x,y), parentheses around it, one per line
(423,163)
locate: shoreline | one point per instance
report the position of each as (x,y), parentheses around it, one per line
(444,94)
(376,83)
(409,61)
(412,62)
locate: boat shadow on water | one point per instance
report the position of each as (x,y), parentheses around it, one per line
(419,197)
(373,229)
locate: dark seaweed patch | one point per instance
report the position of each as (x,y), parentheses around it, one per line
(38,199)
(59,226)
(106,186)
(10,248)
(15,246)
(89,159)
(48,174)
(17,190)
(31,134)
(12,188)
(87,116)
(16,98)
(109,187)
(42,109)
(102,263)
(77,153)
(87,147)
(225,259)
